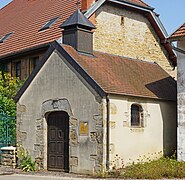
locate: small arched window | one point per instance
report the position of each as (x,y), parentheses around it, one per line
(136,115)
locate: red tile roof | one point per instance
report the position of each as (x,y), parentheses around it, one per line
(26,17)
(113,74)
(121,75)
(179,33)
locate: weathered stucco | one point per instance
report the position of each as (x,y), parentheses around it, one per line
(181,102)
(130,144)
(57,82)
(128,33)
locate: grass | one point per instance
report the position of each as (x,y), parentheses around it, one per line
(157,169)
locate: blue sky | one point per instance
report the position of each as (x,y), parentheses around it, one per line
(171,12)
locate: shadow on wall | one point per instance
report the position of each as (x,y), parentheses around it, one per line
(164,89)
(168,112)
(169,115)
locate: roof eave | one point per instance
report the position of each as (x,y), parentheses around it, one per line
(141,96)
(176,38)
(24,51)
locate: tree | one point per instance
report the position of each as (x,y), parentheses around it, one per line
(9,86)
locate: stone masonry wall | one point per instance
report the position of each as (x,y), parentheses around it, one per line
(130,34)
(181,103)
(8,156)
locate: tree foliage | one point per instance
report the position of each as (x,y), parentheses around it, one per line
(9,86)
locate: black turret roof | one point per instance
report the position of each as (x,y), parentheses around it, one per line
(77,19)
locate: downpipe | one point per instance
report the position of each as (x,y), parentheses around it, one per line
(108,133)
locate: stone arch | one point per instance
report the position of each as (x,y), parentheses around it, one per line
(52,105)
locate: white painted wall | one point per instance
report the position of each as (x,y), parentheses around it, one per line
(181,102)
(158,136)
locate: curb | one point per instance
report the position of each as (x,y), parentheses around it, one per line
(6,173)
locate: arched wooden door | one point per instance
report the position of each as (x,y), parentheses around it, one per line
(58,141)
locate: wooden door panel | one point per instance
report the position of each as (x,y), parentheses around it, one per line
(52,147)
(58,141)
(60,148)
(52,134)
(52,160)
(60,161)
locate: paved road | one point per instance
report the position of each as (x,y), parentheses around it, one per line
(37,177)
(33,177)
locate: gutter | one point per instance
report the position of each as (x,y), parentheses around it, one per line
(108,134)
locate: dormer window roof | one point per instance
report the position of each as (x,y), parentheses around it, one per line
(5,37)
(49,23)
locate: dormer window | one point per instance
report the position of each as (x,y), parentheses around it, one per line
(4,38)
(49,23)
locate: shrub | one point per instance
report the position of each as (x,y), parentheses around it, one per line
(162,168)
(25,161)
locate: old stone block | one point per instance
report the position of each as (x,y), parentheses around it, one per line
(99,137)
(73,161)
(93,157)
(93,136)
(99,126)
(98,118)
(99,151)
(112,148)
(73,122)
(39,124)
(137,130)
(112,124)
(113,108)
(98,168)
(73,137)
(22,136)
(21,108)
(39,162)
(125,124)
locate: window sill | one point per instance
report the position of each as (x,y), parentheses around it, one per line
(137,129)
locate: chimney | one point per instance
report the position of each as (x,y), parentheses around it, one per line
(86,4)
(78,32)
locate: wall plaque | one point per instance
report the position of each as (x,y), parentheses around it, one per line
(84,129)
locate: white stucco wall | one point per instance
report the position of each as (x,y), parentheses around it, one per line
(158,136)
(181,102)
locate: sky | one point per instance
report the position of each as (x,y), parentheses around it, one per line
(172,13)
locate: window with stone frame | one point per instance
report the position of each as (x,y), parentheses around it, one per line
(33,62)
(137,116)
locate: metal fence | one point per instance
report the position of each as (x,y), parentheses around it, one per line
(7,130)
